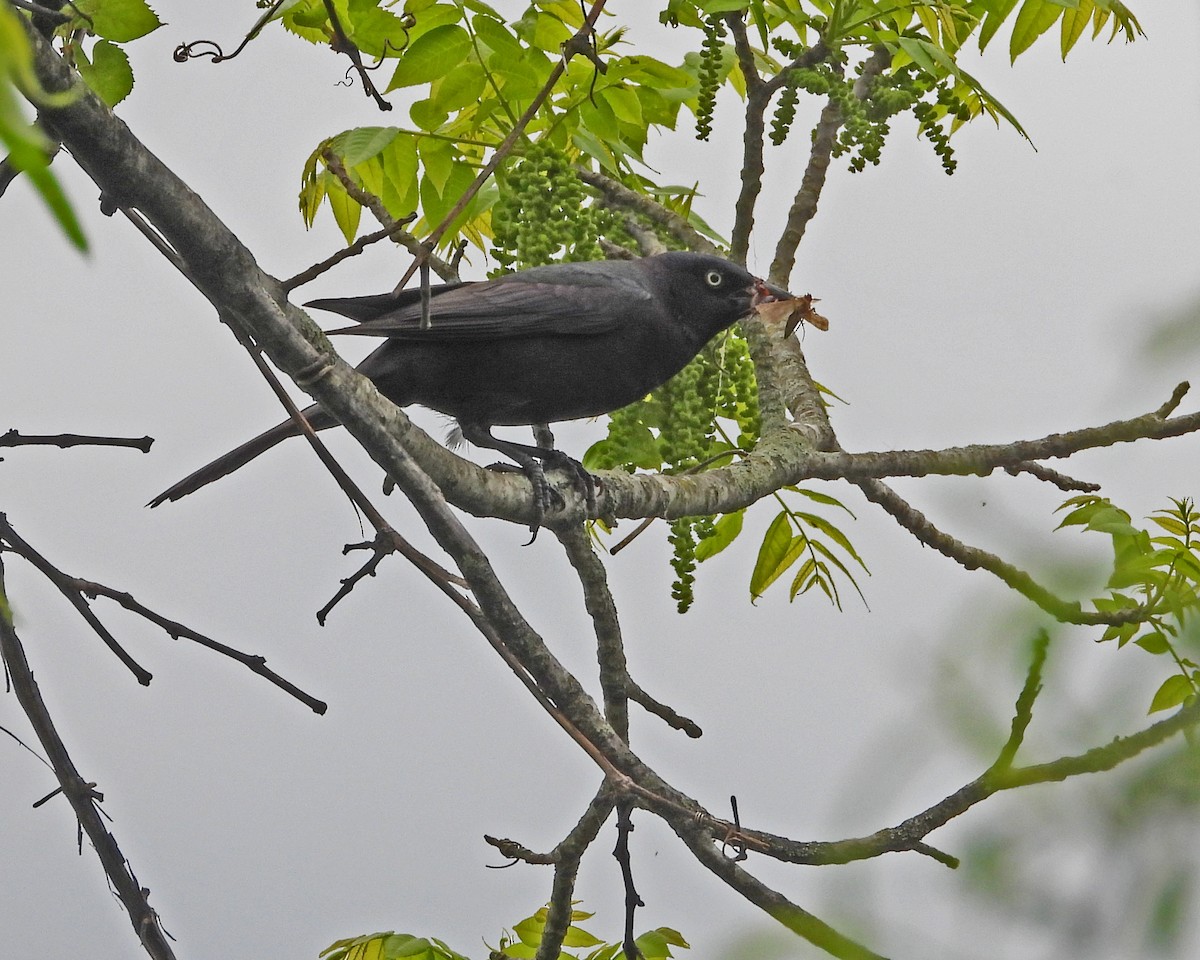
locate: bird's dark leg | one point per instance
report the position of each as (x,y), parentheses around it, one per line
(532,461)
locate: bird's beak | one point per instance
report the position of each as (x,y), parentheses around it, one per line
(769,293)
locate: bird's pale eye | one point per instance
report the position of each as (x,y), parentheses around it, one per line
(713,278)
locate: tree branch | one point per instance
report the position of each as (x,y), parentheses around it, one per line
(804,206)
(774,904)
(80,794)
(12,438)
(616,194)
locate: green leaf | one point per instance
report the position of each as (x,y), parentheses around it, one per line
(1074,22)
(997,13)
(460,87)
(808,576)
(346,211)
(1153,642)
(1174,690)
(819,497)
(624,104)
(406,945)
(428,114)
(108,72)
(430,55)
(400,182)
(27,146)
(380,33)
(119,20)
(362,143)
(1171,524)
(438,158)
(437,203)
(778,551)
(578,937)
(725,531)
(834,534)
(1034,19)
(542,30)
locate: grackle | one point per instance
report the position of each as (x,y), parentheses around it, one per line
(552,343)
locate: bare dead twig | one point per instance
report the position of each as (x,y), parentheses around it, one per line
(632,900)
(665,713)
(79,591)
(1060,480)
(80,794)
(386,542)
(342,44)
(13,438)
(13,543)
(357,247)
(255,662)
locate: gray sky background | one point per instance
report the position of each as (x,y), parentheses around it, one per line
(1026,294)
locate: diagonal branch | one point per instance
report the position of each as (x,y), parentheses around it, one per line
(79,793)
(67,586)
(616,194)
(393,227)
(579,43)
(813,929)
(758,98)
(804,206)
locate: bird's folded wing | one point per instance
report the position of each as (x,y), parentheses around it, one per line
(362,309)
(498,309)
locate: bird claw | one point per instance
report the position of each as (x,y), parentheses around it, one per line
(545,497)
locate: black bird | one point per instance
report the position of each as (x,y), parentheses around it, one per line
(552,343)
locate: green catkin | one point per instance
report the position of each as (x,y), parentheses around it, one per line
(711,55)
(541,214)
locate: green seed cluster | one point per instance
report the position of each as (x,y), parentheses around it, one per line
(675,429)
(711,56)
(681,415)
(861,136)
(738,399)
(785,113)
(947,105)
(542,214)
(686,533)
(818,81)
(866,119)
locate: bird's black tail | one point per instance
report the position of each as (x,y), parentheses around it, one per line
(240,456)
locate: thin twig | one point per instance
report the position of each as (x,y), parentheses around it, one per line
(1060,480)
(11,541)
(632,900)
(255,662)
(357,247)
(80,794)
(12,438)
(342,44)
(395,228)
(616,194)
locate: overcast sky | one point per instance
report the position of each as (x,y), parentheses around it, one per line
(1026,294)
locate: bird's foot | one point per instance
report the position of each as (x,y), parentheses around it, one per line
(582,479)
(545,497)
